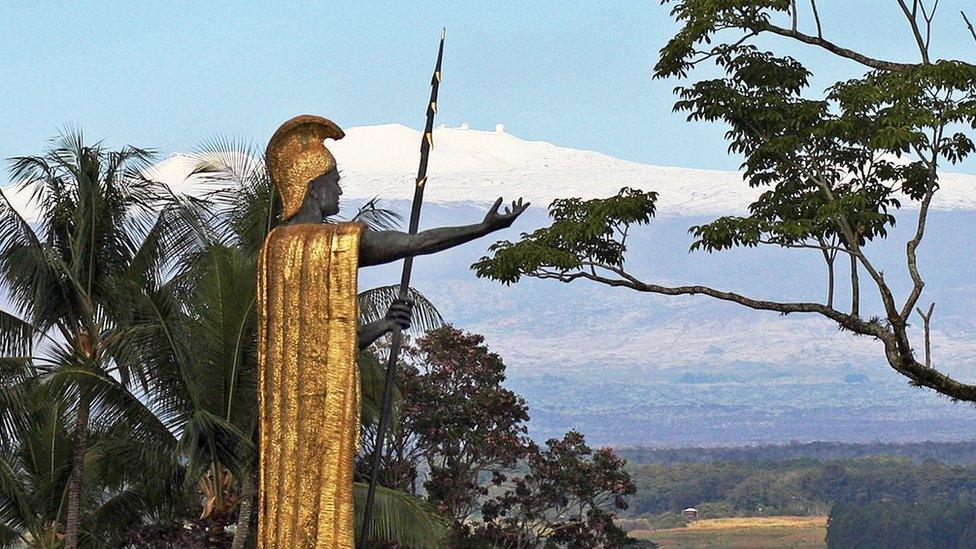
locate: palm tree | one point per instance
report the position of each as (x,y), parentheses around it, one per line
(99,231)
(121,488)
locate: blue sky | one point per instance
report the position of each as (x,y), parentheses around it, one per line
(170,75)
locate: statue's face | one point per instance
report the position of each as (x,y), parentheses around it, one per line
(324,192)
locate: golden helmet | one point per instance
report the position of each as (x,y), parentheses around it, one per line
(296,155)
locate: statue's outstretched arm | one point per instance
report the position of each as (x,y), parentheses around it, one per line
(378,247)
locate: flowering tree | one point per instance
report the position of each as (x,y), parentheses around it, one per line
(463,420)
(567,497)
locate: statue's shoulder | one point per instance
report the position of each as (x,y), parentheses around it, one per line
(350,227)
(310,231)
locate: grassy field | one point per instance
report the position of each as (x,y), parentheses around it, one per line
(754,533)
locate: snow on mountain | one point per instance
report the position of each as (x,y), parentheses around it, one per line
(477,166)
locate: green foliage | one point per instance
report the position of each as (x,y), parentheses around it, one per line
(122,486)
(582,231)
(463,420)
(701,20)
(794,487)
(464,436)
(401,519)
(824,159)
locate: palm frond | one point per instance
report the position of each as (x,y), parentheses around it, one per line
(154,346)
(14,368)
(10,537)
(376,218)
(373,304)
(372,381)
(401,519)
(247,202)
(15,509)
(120,512)
(236,161)
(114,404)
(207,438)
(27,265)
(178,230)
(16,335)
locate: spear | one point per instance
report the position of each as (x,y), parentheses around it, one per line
(418,197)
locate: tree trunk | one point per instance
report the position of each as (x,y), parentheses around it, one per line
(76,481)
(249,498)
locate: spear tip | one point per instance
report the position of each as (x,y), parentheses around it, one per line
(443,32)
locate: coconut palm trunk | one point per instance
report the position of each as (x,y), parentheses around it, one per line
(76,482)
(248,500)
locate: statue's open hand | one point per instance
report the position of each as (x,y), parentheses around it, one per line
(502,220)
(399,313)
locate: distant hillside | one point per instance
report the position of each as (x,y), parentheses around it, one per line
(953,453)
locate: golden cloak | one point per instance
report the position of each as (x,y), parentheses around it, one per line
(308,384)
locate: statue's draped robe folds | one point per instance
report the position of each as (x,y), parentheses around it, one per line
(309,385)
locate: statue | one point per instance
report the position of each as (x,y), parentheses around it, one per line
(308,337)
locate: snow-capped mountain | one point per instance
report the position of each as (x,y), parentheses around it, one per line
(476,166)
(628,368)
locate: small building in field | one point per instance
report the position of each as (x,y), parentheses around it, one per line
(690,512)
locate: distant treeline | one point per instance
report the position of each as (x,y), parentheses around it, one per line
(925,524)
(953,453)
(798,487)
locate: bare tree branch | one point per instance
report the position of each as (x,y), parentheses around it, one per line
(828,257)
(911,247)
(837,50)
(816,17)
(899,354)
(969,25)
(629,281)
(912,16)
(928,22)
(927,319)
(855,289)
